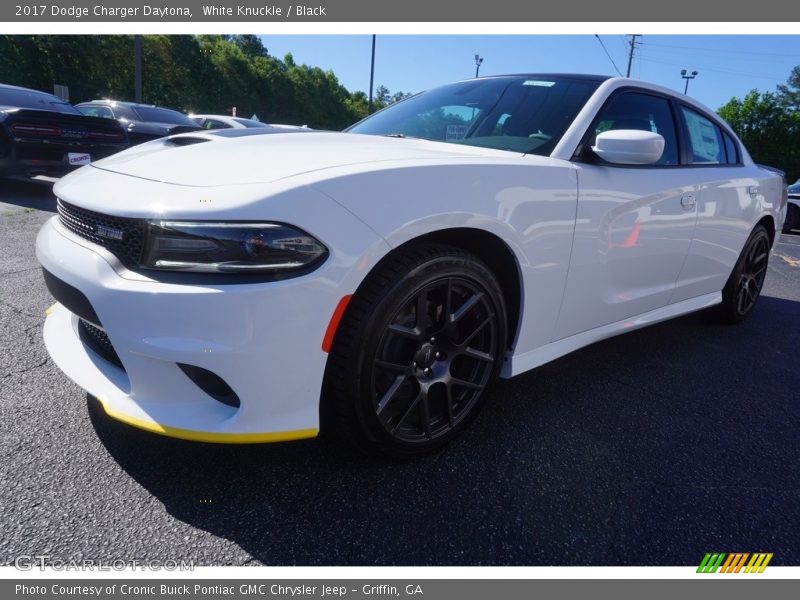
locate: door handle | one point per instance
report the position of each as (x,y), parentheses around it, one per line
(688,201)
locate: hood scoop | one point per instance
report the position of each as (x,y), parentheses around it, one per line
(185,140)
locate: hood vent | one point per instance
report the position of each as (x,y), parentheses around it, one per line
(186,140)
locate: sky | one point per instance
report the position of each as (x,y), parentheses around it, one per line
(728,65)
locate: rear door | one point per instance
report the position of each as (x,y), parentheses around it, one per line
(634,224)
(728,204)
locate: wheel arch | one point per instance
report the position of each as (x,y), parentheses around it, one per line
(768,221)
(489,248)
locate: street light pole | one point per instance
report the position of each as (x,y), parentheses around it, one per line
(687,78)
(137,68)
(478,63)
(371,76)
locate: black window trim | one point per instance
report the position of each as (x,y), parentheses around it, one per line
(583,155)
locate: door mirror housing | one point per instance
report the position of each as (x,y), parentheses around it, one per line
(629,147)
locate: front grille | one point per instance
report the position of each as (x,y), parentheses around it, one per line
(103,231)
(97,340)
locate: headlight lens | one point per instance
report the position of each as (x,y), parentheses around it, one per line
(219,247)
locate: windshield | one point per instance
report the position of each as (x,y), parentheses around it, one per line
(250,123)
(21,98)
(164,115)
(527,114)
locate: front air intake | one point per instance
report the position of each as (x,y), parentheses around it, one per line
(211,384)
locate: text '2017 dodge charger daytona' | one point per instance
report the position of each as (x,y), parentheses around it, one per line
(236,287)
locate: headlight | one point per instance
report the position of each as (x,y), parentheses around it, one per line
(209,247)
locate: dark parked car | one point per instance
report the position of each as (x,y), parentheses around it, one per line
(40,134)
(793,208)
(143,122)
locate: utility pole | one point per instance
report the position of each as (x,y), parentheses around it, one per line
(371,76)
(630,53)
(137,68)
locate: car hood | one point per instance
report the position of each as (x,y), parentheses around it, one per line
(207,159)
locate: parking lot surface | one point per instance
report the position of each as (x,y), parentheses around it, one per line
(650,448)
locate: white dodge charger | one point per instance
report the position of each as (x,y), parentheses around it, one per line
(243,287)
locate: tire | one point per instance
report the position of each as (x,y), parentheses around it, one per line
(406,374)
(792,218)
(741,292)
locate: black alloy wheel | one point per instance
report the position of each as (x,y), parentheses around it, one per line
(747,279)
(434,359)
(420,342)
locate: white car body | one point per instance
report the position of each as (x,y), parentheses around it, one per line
(599,251)
(227,121)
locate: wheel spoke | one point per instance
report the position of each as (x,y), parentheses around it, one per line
(477,330)
(741,299)
(757,260)
(391,366)
(465,308)
(390,393)
(409,410)
(422,311)
(425,415)
(450,417)
(448,302)
(465,384)
(478,355)
(414,334)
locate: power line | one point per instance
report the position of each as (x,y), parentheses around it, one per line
(727,72)
(660,51)
(608,55)
(671,46)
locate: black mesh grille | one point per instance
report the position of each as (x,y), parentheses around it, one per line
(89,225)
(97,340)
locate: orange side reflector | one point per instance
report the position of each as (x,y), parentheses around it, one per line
(338,312)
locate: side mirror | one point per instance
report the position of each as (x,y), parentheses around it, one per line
(629,147)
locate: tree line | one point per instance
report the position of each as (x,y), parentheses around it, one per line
(769,125)
(214,73)
(191,73)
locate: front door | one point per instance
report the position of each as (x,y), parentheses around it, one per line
(634,224)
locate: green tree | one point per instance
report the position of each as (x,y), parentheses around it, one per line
(769,131)
(789,94)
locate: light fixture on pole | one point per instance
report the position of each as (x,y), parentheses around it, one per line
(478,63)
(687,78)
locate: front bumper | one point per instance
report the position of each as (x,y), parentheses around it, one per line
(263,340)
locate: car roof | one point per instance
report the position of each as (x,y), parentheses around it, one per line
(573,76)
(124,103)
(7,86)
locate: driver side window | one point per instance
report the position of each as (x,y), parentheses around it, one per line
(634,110)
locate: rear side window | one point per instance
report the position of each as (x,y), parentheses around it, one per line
(705,138)
(215,124)
(730,150)
(97,111)
(633,110)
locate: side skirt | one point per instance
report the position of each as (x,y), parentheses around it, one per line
(517,364)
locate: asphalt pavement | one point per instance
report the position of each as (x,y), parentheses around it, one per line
(652,448)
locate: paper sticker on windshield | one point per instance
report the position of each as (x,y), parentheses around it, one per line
(456,132)
(539,83)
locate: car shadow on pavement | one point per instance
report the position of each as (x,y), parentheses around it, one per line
(31,195)
(649,448)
